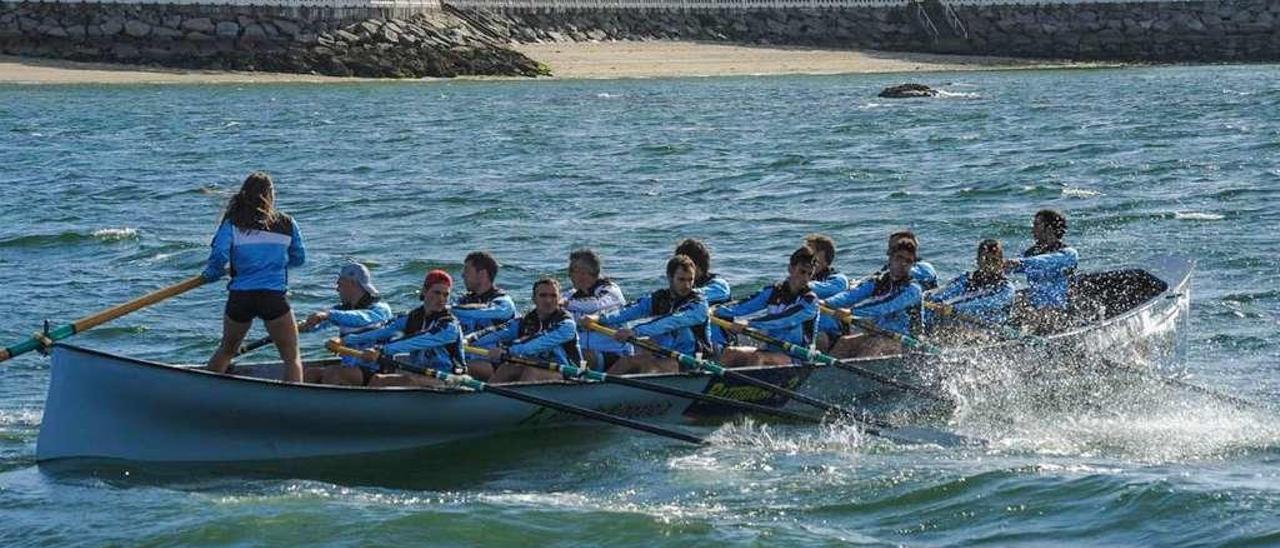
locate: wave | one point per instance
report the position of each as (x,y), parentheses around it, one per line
(1074,192)
(1198,216)
(71,237)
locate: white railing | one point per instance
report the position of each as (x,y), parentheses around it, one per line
(671,4)
(415,4)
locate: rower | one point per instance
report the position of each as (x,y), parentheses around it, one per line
(922,271)
(1048,266)
(713,286)
(889,300)
(430,334)
(675,317)
(791,314)
(593,294)
(485,305)
(261,244)
(985,294)
(360,308)
(826,282)
(546,333)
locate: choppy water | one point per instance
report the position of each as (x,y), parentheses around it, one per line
(112,191)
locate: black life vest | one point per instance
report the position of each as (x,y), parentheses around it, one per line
(591,291)
(531,325)
(783,296)
(662,303)
(419,320)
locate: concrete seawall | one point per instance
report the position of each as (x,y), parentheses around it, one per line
(1208,31)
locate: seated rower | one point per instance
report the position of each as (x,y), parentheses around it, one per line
(922,272)
(430,334)
(675,317)
(826,283)
(484,305)
(593,294)
(1048,266)
(714,287)
(360,309)
(546,333)
(985,294)
(889,301)
(791,315)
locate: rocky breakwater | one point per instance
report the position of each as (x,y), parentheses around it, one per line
(296,40)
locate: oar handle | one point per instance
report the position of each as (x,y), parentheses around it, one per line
(683,359)
(99,318)
(906,340)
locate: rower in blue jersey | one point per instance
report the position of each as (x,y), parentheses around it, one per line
(484,305)
(922,272)
(360,308)
(593,294)
(985,294)
(675,317)
(891,301)
(546,333)
(791,314)
(826,283)
(429,333)
(1048,266)
(713,286)
(261,244)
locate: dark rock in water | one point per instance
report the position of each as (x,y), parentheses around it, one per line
(907,91)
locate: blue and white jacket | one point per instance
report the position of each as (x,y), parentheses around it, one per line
(678,323)
(433,341)
(1048,269)
(717,291)
(824,285)
(554,338)
(922,272)
(893,305)
(260,259)
(367,315)
(988,300)
(792,317)
(603,297)
(481,311)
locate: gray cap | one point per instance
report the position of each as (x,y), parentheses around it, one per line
(357,273)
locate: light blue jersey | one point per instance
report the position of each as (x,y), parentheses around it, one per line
(260,259)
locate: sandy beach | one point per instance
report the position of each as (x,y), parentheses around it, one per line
(567,60)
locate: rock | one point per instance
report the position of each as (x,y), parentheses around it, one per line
(136,28)
(55,31)
(194,36)
(199,24)
(908,91)
(254,32)
(288,27)
(165,32)
(228,29)
(347,37)
(172,21)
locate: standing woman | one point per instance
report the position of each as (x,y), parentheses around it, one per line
(261,244)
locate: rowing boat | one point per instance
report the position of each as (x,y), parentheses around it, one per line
(105,406)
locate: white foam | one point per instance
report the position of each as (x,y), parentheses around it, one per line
(1197,216)
(113,234)
(1072,192)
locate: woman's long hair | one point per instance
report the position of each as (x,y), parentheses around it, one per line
(253,208)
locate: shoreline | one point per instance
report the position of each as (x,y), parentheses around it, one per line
(569,61)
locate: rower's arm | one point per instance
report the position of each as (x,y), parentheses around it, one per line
(548,340)
(297,251)
(219,253)
(834,283)
(369,338)
(801,311)
(953,289)
(501,308)
(498,334)
(629,313)
(924,274)
(688,315)
(1048,263)
(908,297)
(987,305)
(852,296)
(441,334)
(716,291)
(379,313)
(754,304)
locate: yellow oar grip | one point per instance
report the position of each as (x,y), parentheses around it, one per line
(720,321)
(595,326)
(340,350)
(837,313)
(476,350)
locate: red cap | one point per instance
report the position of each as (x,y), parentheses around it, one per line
(438,277)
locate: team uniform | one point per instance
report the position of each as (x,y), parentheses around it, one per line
(368,314)
(602,298)
(432,340)
(789,316)
(988,299)
(260,260)
(678,323)
(891,304)
(484,310)
(1048,270)
(554,338)
(717,292)
(826,284)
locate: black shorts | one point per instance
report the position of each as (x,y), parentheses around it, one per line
(244,306)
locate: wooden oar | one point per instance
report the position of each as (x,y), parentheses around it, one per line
(1014,334)
(814,356)
(479,386)
(89,322)
(870,425)
(264,341)
(588,374)
(906,341)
